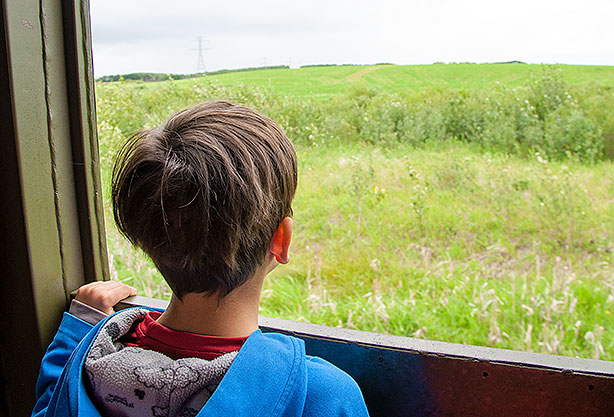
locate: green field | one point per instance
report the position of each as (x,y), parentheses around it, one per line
(330,80)
(442,214)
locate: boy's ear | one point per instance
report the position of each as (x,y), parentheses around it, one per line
(281,241)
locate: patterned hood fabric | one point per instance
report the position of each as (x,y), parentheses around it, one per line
(131,381)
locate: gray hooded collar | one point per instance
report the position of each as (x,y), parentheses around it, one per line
(131,381)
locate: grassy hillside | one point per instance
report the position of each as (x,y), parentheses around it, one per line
(330,80)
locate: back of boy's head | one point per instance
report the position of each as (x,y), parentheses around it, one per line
(203,194)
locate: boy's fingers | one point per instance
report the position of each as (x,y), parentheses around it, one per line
(118,291)
(104,295)
(124,291)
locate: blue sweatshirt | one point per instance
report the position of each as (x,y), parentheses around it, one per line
(270,376)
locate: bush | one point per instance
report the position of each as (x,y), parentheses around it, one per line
(570,133)
(544,116)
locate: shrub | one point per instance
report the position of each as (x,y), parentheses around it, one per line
(568,132)
(544,116)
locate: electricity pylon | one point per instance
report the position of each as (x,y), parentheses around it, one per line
(200,64)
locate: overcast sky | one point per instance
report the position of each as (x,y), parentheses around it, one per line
(162,36)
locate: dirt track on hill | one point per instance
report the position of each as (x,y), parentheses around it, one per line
(359,74)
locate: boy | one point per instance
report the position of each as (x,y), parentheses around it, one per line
(208,197)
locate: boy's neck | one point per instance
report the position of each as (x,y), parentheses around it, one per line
(235,316)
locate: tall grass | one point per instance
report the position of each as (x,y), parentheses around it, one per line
(453,245)
(481,217)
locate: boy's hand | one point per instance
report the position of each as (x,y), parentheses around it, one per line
(103,295)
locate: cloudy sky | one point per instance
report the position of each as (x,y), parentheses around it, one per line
(162,36)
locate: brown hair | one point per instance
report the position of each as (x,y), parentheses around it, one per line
(203,194)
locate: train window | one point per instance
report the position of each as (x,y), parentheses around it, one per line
(440,200)
(466,194)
